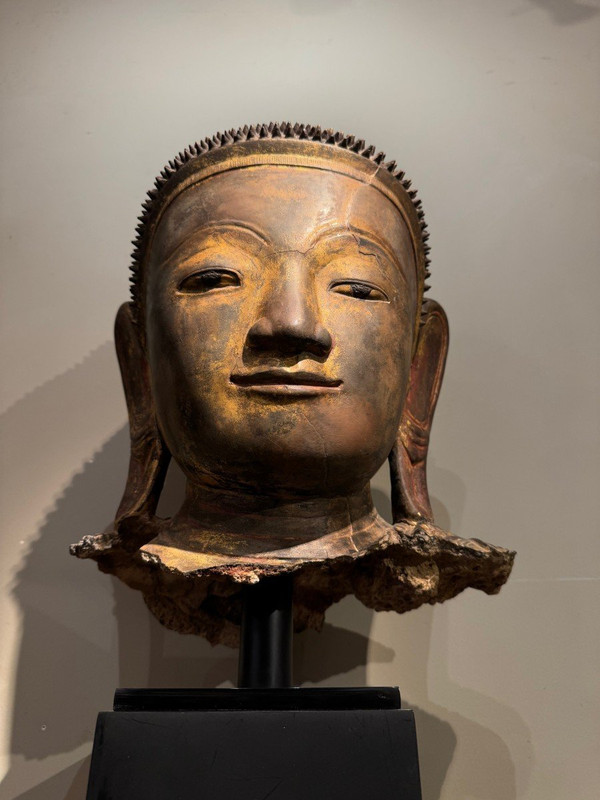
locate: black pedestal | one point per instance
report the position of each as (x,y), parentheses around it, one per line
(246,744)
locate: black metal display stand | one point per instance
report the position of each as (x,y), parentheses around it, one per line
(265,740)
(266,636)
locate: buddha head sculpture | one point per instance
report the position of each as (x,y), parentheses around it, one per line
(279,348)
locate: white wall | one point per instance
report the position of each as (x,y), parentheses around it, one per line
(492,107)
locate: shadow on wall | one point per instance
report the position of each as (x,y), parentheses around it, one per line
(69,784)
(566,12)
(84,634)
(562,12)
(459,744)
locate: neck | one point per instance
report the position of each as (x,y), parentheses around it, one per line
(217,526)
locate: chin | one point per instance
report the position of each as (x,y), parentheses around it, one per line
(306,450)
(292,473)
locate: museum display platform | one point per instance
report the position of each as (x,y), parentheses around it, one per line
(253,744)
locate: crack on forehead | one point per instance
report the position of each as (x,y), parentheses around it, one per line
(411,285)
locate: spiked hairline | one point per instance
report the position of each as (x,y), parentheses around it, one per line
(273,130)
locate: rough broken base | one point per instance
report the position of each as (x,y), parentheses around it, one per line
(413,564)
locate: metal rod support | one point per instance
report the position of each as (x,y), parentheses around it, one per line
(265,660)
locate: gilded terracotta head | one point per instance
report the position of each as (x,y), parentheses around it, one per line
(279,348)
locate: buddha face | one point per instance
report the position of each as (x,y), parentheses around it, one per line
(280,309)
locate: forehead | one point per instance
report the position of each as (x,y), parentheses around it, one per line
(288,206)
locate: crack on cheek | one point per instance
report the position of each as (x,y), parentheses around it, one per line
(323,445)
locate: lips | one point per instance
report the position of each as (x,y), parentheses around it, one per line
(282,381)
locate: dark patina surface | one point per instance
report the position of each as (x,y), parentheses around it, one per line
(279,348)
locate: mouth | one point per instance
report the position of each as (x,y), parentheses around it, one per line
(284,382)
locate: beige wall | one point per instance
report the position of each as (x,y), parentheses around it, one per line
(492,107)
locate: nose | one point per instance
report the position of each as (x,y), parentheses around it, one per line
(289,323)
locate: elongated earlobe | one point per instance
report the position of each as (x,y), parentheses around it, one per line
(149,457)
(408,459)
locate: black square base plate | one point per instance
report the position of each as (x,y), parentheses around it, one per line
(243,744)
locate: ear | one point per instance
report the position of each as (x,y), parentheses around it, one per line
(149,455)
(408,459)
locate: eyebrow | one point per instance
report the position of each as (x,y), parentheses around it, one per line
(330,233)
(353,231)
(244,226)
(213,227)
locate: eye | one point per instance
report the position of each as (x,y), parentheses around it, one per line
(359,290)
(209,279)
